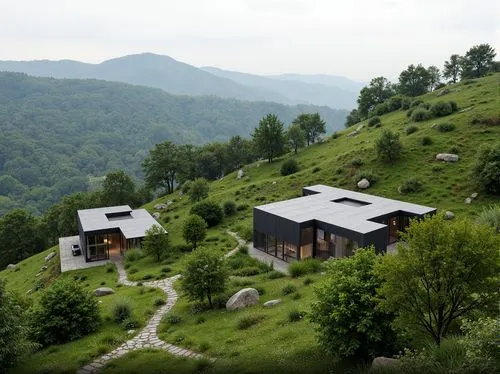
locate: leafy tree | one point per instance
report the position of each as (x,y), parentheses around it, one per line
(19,237)
(211,161)
(414,81)
(239,152)
(205,275)
(13,330)
(311,124)
(388,146)
(156,242)
(349,324)
(443,271)
(118,189)
(477,61)
(486,170)
(353,117)
(269,137)
(198,189)
(194,230)
(211,212)
(379,90)
(452,68)
(434,77)
(296,137)
(66,312)
(161,166)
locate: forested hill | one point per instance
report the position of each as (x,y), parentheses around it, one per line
(57,132)
(175,77)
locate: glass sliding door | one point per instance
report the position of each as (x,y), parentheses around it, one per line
(306,243)
(97,247)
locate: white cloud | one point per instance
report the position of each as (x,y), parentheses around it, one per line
(356,38)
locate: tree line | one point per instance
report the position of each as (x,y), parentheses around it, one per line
(380,95)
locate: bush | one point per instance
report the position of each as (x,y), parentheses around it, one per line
(121,309)
(395,103)
(289,167)
(245,233)
(410,185)
(247,271)
(65,312)
(134,254)
(288,289)
(174,319)
(295,316)
(274,274)
(211,212)
(356,162)
(130,323)
(307,266)
(445,127)
(366,174)
(242,207)
(420,114)
(380,109)
(159,301)
(316,169)
(373,121)
(441,109)
(486,169)
(416,103)
(426,140)
(198,190)
(308,281)
(388,146)
(249,321)
(229,208)
(186,186)
(411,130)
(491,217)
(405,103)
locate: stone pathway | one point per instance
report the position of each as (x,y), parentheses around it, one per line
(148,337)
(240,241)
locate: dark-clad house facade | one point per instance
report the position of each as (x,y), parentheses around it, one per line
(111,229)
(331,222)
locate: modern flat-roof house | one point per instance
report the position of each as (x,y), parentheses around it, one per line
(111,229)
(330,222)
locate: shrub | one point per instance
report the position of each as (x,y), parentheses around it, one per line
(198,190)
(159,301)
(410,185)
(405,103)
(420,114)
(121,309)
(174,319)
(242,207)
(388,146)
(395,103)
(275,274)
(249,321)
(445,127)
(65,312)
(165,269)
(373,121)
(147,276)
(211,212)
(411,130)
(289,167)
(247,271)
(229,208)
(316,169)
(260,290)
(367,174)
(200,320)
(110,267)
(130,323)
(486,169)
(491,217)
(380,109)
(296,296)
(441,109)
(245,233)
(243,249)
(416,103)
(409,112)
(356,162)
(426,140)
(308,281)
(295,316)
(134,254)
(186,186)
(288,289)
(307,266)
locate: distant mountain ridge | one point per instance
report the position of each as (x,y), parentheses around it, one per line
(175,77)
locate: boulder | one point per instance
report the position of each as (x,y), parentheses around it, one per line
(383,362)
(160,206)
(156,215)
(468,200)
(474,195)
(448,157)
(360,127)
(449,215)
(243,298)
(271,303)
(29,292)
(354,133)
(274,182)
(130,332)
(50,256)
(11,266)
(43,268)
(364,183)
(465,110)
(240,174)
(103,291)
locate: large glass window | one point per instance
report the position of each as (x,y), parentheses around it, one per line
(306,242)
(97,247)
(322,244)
(344,247)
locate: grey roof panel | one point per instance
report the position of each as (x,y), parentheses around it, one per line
(322,207)
(134,227)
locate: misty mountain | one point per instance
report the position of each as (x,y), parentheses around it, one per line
(57,132)
(325,79)
(179,78)
(298,90)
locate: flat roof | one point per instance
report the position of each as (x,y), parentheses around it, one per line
(343,208)
(132,223)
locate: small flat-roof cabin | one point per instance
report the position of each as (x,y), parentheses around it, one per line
(330,222)
(111,230)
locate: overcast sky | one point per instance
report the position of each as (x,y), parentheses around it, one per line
(359,39)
